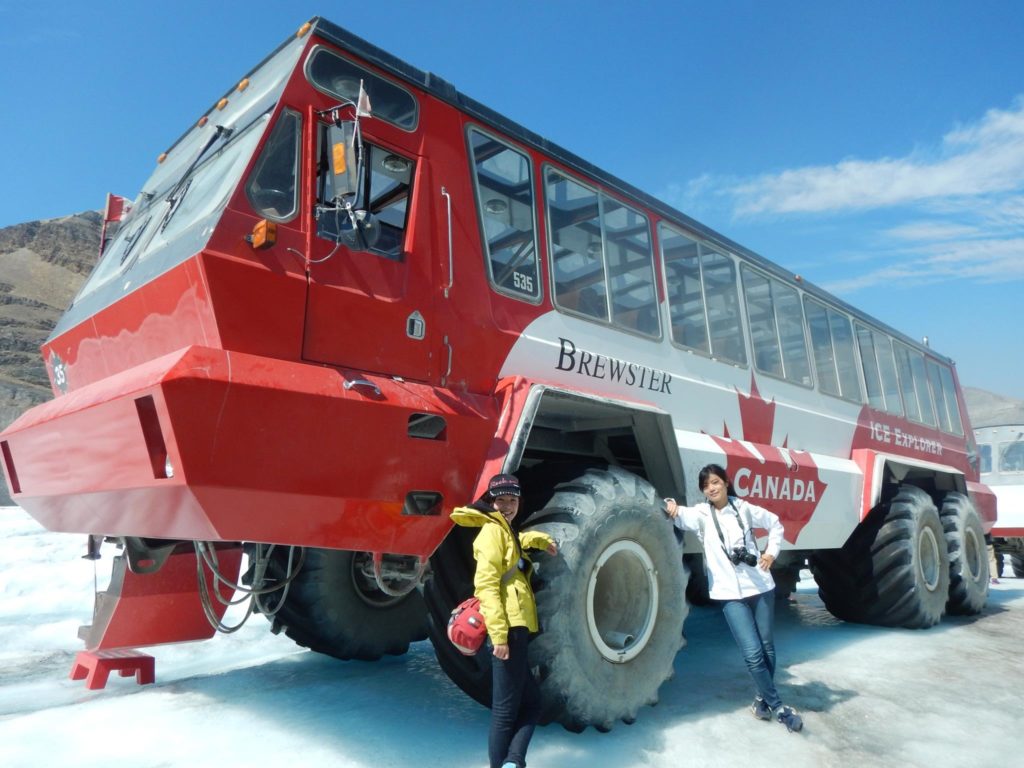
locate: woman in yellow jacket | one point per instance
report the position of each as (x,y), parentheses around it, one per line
(502,585)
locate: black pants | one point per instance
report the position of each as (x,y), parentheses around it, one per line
(515,703)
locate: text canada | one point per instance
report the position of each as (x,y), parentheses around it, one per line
(748,483)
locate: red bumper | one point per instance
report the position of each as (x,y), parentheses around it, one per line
(221,446)
(984,501)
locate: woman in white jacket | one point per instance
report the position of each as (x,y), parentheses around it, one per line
(739,578)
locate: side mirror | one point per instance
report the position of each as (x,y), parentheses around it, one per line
(360,232)
(342,157)
(357,229)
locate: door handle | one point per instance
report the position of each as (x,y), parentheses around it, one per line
(451,269)
(363,384)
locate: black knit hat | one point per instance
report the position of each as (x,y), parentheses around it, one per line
(503,485)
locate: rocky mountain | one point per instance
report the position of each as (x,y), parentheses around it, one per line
(42,266)
(988,409)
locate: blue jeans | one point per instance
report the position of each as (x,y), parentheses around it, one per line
(751,620)
(515,703)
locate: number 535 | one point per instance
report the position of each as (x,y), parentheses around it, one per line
(522,282)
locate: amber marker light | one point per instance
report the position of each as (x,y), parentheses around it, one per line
(340,164)
(222,103)
(303,29)
(161,158)
(203,121)
(243,84)
(263,235)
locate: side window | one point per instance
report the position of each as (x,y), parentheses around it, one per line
(985,456)
(887,370)
(924,395)
(946,409)
(384,193)
(576,249)
(956,425)
(1011,456)
(340,78)
(914,385)
(872,379)
(685,296)
(790,318)
(601,256)
(846,358)
(273,186)
(630,268)
(906,377)
(505,205)
(702,297)
(834,359)
(879,367)
(935,382)
(821,343)
(718,274)
(764,333)
(776,327)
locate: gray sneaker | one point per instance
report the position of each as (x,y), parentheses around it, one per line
(789,718)
(760,709)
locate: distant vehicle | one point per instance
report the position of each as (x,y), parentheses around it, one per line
(349,294)
(1001,450)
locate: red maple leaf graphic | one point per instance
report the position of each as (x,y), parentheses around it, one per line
(787,482)
(756,415)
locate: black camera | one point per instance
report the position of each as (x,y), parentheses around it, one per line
(742,555)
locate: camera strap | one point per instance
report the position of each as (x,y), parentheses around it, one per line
(721,536)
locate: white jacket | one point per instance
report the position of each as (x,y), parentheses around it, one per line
(725,580)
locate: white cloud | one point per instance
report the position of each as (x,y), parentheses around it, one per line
(958,208)
(982,159)
(930,230)
(985,260)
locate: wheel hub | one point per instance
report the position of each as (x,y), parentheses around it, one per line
(383,585)
(929,562)
(622,601)
(972,555)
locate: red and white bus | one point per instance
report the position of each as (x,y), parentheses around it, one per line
(1001,452)
(349,294)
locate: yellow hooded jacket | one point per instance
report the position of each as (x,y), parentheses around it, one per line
(505,600)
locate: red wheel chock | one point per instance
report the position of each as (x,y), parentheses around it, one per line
(95,666)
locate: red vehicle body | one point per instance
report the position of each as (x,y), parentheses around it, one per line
(1001,448)
(259,361)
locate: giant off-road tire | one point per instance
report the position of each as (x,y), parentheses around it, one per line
(968,555)
(451,578)
(612,602)
(1017,563)
(893,570)
(332,607)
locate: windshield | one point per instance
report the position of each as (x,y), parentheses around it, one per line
(207,191)
(174,215)
(189,207)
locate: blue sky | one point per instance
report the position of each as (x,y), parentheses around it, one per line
(875,148)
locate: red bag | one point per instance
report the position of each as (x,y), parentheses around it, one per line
(466,627)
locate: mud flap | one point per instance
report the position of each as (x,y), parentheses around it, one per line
(161,607)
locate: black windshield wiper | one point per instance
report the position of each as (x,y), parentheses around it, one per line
(181,187)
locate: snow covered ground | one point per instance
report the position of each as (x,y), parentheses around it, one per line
(949,696)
